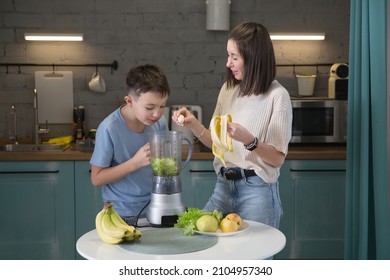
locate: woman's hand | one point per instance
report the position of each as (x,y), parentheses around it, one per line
(183,117)
(239,133)
(267,152)
(192,123)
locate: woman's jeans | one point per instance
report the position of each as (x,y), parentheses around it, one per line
(250,197)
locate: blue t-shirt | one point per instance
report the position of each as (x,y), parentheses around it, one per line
(115,144)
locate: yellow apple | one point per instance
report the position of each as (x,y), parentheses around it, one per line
(235,218)
(227,225)
(207,223)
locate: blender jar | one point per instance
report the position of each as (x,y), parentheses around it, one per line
(166,152)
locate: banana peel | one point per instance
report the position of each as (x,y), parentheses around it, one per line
(222,143)
(64,140)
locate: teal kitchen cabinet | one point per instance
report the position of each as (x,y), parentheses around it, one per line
(287,221)
(37,210)
(88,199)
(313,199)
(198,181)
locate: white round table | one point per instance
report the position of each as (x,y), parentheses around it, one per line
(259,241)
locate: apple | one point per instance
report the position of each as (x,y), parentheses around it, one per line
(207,223)
(227,225)
(235,218)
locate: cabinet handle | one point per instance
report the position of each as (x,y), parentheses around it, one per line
(317,170)
(201,171)
(29,172)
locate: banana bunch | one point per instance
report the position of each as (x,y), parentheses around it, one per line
(112,229)
(222,143)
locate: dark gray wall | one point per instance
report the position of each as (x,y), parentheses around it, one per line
(170,33)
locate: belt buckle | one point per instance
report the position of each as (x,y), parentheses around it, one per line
(231,173)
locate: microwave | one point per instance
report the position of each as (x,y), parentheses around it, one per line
(319,121)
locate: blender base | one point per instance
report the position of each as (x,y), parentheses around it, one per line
(166,221)
(164,209)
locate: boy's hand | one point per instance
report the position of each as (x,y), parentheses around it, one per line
(142,157)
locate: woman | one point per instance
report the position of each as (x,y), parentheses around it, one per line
(260,130)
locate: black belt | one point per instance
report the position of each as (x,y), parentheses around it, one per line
(233,174)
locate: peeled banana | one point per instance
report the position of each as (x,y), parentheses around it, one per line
(222,143)
(112,229)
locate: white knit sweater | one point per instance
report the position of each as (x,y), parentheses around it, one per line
(267,116)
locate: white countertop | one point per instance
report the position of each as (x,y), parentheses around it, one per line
(259,241)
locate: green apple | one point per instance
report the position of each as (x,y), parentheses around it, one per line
(207,223)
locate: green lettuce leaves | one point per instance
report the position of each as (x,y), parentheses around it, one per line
(187,220)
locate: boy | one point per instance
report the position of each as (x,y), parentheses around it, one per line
(121,158)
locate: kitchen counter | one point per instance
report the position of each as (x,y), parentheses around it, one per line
(296,151)
(318,151)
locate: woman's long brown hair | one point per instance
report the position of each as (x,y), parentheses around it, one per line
(255,46)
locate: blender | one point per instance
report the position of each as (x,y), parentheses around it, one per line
(166,201)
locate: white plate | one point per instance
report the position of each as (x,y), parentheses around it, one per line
(219,233)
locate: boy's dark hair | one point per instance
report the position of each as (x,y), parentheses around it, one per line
(256,48)
(145,78)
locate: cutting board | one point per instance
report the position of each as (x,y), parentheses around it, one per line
(55,96)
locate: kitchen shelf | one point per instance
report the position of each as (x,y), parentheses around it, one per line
(113,65)
(309,64)
(316,65)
